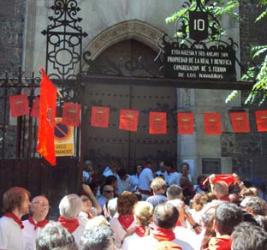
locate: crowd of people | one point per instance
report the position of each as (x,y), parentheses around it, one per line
(158,210)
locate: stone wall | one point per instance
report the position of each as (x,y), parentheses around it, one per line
(12,16)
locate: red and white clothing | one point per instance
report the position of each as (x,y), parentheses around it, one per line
(11,235)
(30,232)
(163,235)
(74,226)
(120,226)
(222,242)
(129,242)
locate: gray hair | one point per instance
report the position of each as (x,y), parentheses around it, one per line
(174,192)
(55,237)
(97,238)
(70,206)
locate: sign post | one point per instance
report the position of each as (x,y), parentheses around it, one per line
(200,54)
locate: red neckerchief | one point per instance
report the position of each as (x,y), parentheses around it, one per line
(126,220)
(163,234)
(40,224)
(15,218)
(69,224)
(140,231)
(224,198)
(220,243)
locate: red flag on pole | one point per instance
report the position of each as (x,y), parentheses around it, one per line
(48,97)
(185,123)
(100,117)
(157,123)
(129,119)
(35,107)
(19,105)
(240,122)
(261,120)
(212,123)
(71,114)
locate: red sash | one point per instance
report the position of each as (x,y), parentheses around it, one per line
(163,234)
(40,224)
(126,220)
(140,231)
(69,224)
(15,218)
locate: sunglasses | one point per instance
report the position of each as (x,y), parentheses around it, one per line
(108,191)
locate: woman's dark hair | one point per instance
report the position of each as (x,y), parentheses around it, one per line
(110,180)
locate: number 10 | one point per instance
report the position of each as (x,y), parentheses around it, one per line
(199,24)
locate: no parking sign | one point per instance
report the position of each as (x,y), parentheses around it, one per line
(64,139)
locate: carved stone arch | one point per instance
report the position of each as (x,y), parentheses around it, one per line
(130,29)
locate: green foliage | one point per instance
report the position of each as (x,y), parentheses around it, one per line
(256,74)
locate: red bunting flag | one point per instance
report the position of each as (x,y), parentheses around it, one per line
(185,123)
(157,123)
(19,105)
(46,135)
(240,122)
(212,123)
(71,114)
(35,107)
(261,120)
(129,120)
(100,117)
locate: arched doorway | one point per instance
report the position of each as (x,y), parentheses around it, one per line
(129,57)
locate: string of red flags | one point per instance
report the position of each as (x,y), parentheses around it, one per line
(157,123)
(185,123)
(47,115)
(129,118)
(71,114)
(19,105)
(239,122)
(261,120)
(212,123)
(100,117)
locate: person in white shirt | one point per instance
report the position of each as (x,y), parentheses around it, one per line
(133,179)
(143,212)
(107,193)
(145,179)
(162,171)
(37,221)
(164,218)
(70,207)
(123,224)
(111,169)
(171,175)
(88,172)
(158,186)
(185,172)
(15,204)
(123,183)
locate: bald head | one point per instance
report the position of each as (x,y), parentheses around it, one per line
(221,189)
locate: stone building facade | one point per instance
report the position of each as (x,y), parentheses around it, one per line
(109,24)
